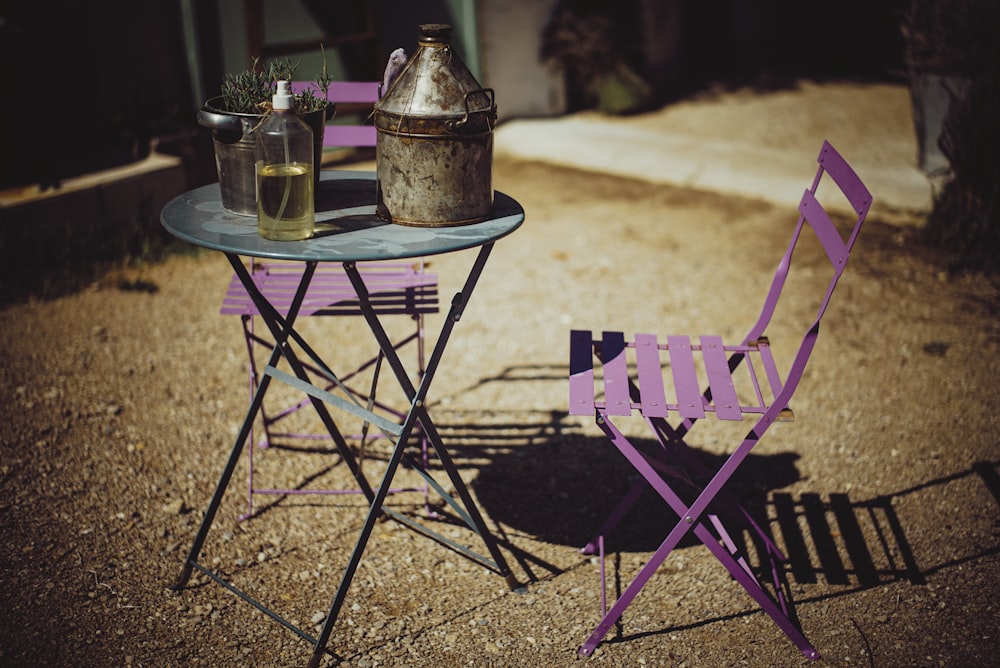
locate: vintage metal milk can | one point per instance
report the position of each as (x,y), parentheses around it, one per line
(434,149)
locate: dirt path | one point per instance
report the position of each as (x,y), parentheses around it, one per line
(120,405)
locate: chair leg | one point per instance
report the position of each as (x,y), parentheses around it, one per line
(673,446)
(254,379)
(690,521)
(421,369)
(268,420)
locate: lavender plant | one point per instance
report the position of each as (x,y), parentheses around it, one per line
(250,91)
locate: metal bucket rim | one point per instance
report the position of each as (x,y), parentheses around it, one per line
(218,109)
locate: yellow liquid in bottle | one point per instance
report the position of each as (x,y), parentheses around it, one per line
(285,208)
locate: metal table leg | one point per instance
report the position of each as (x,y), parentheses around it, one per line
(284,333)
(417,412)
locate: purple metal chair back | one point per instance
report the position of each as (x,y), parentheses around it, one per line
(813,214)
(659,377)
(347,93)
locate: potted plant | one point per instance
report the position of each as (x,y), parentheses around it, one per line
(237,112)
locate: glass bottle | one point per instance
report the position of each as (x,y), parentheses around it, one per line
(285,204)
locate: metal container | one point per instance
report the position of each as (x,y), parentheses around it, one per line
(235,152)
(434,151)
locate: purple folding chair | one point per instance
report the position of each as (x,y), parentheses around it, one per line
(395,288)
(708,377)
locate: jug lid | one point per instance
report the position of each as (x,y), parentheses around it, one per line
(435,32)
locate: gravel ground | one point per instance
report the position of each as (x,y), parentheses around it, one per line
(122,400)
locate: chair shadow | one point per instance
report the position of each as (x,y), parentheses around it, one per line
(539,474)
(812,522)
(560,492)
(557,487)
(561,487)
(862,543)
(536,473)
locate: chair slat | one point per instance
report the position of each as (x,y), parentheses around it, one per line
(767,359)
(748,364)
(770,368)
(689,401)
(395,289)
(346,92)
(647,361)
(354,91)
(581,373)
(616,395)
(846,178)
(825,230)
(350,135)
(343,91)
(720,379)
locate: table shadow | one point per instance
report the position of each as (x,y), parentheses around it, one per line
(344,193)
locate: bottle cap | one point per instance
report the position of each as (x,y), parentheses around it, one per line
(282,98)
(435,33)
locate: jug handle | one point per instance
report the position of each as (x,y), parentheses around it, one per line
(491,118)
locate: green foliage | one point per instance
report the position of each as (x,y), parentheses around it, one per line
(620,91)
(250,91)
(957,38)
(965,220)
(243,93)
(951,37)
(597,48)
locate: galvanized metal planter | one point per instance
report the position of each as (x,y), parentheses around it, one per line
(434,149)
(235,156)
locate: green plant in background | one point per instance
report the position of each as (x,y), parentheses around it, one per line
(965,220)
(956,38)
(952,37)
(250,91)
(596,47)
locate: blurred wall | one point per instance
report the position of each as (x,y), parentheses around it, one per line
(87,85)
(291,20)
(498,40)
(102,77)
(510,40)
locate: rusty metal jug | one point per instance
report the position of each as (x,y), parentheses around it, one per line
(434,151)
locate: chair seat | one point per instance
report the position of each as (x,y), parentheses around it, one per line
(742,379)
(396,288)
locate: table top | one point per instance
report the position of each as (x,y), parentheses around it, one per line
(347,227)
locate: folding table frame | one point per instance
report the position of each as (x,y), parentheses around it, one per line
(353,235)
(395,288)
(403,288)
